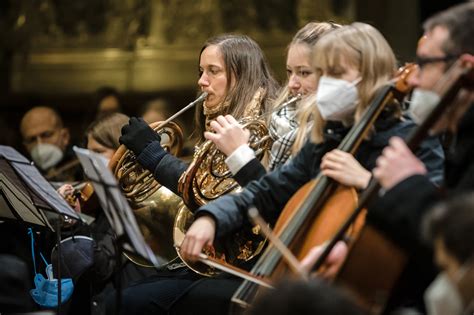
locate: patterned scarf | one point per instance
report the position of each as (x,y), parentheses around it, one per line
(253,108)
(283,130)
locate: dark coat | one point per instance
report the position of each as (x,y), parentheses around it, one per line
(399,213)
(272,191)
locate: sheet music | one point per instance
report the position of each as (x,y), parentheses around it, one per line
(34,180)
(113,202)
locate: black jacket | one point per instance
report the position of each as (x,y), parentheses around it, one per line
(403,206)
(399,213)
(272,191)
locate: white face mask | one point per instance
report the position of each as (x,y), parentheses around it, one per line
(336,98)
(422,104)
(46,155)
(442,297)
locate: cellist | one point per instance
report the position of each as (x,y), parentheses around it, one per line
(353,63)
(409,193)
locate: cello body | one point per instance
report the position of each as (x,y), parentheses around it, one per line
(328,219)
(371,269)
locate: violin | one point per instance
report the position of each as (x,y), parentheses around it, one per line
(83,198)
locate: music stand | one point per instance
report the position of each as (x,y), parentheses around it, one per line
(25,195)
(26,192)
(116,208)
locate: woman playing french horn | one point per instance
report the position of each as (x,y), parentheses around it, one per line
(234,74)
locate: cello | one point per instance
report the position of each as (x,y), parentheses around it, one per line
(315,212)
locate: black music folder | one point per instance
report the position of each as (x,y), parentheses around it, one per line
(112,201)
(25,194)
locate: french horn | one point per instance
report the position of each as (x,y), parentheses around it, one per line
(154,205)
(208,178)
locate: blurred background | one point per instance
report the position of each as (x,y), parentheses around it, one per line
(71,54)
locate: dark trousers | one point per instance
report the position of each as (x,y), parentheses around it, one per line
(206,296)
(153,295)
(177,292)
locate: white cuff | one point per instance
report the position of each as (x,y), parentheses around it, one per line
(239,158)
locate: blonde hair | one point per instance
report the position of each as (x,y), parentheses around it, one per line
(307,35)
(359,45)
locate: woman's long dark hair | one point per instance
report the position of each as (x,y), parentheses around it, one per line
(245,62)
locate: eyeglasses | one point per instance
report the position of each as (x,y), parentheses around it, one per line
(423,61)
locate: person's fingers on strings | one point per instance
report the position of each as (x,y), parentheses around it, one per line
(336,175)
(331,164)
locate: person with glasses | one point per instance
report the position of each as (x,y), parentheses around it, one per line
(48,143)
(409,194)
(448,36)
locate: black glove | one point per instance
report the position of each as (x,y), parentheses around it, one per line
(137,135)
